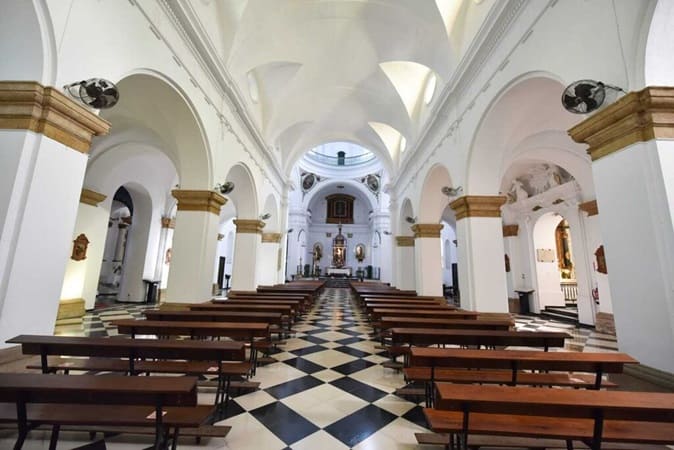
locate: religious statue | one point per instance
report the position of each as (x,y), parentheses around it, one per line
(518,190)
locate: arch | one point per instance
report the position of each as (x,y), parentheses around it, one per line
(271,207)
(548,292)
(527,106)
(153,107)
(432,201)
(658,66)
(332,184)
(406,210)
(244,195)
(27,42)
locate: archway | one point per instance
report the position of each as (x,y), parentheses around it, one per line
(553,261)
(658,63)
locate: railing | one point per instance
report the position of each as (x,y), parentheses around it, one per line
(334,160)
(570,291)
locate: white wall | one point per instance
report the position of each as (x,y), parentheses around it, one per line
(548,291)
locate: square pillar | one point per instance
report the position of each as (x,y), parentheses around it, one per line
(270,259)
(632,148)
(195,240)
(246,248)
(405,279)
(428,258)
(479,232)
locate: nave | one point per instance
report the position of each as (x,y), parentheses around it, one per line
(327,390)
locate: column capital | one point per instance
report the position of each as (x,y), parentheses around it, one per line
(168,222)
(510,230)
(199,200)
(478,206)
(28,105)
(405,241)
(272,238)
(590,207)
(93,198)
(639,116)
(427,230)
(252,226)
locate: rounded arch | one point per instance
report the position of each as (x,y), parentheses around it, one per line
(332,184)
(27,42)
(526,106)
(406,210)
(152,106)
(658,65)
(271,207)
(244,195)
(432,201)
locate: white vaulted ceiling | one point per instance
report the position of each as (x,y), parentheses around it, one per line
(315,71)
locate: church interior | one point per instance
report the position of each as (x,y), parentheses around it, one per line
(367,224)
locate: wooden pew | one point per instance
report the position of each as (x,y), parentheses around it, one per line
(296,307)
(478,338)
(593,417)
(247,332)
(386,323)
(508,366)
(134,356)
(378,313)
(165,402)
(285,310)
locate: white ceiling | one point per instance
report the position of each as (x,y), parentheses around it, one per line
(316,71)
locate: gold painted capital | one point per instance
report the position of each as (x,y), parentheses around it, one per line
(590,207)
(89,197)
(405,241)
(249,226)
(478,206)
(27,105)
(510,230)
(637,117)
(427,230)
(199,201)
(168,222)
(273,238)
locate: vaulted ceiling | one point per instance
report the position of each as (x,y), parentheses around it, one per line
(315,71)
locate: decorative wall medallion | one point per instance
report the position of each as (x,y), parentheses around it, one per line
(360,252)
(372,182)
(309,180)
(80,245)
(349,235)
(328,234)
(318,251)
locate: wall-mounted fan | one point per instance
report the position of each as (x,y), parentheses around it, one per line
(584,96)
(95,92)
(225,188)
(411,220)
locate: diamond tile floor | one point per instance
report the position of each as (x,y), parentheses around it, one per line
(326,391)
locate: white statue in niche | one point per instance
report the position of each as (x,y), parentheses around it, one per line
(518,191)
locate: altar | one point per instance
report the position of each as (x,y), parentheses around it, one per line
(345,271)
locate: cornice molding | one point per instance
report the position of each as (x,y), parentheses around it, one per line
(271,238)
(478,206)
(590,207)
(405,241)
(510,230)
(199,200)
(427,230)
(637,117)
(28,105)
(249,226)
(93,198)
(168,222)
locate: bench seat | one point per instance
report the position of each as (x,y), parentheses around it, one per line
(107,415)
(504,377)
(550,427)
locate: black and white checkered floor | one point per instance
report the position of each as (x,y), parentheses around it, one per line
(327,390)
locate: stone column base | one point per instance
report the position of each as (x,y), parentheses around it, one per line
(604,323)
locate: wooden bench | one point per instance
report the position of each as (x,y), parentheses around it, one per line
(165,403)
(447,313)
(134,356)
(477,338)
(273,319)
(591,416)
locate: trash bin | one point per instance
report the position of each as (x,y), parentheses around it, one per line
(151,291)
(524,301)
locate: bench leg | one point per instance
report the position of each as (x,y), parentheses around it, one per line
(569,444)
(54,437)
(174,445)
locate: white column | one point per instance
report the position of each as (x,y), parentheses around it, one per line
(428,259)
(247,247)
(479,232)
(269,259)
(42,166)
(297,221)
(81,277)
(511,246)
(583,265)
(594,242)
(381,223)
(633,162)
(406,278)
(195,240)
